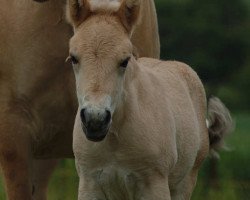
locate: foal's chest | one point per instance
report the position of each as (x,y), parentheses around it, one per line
(118,171)
(112,175)
(117,183)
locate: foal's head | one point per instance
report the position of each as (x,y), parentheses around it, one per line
(100,52)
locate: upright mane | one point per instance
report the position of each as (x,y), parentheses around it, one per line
(105,5)
(127,10)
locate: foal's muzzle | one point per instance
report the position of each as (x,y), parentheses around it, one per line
(95,125)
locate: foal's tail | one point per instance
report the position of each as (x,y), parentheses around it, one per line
(219,123)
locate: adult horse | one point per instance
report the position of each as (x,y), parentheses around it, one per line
(140,132)
(37,90)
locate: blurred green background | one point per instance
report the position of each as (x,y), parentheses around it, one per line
(212,36)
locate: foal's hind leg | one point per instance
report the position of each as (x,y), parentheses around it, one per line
(41,173)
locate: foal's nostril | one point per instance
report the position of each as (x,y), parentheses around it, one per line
(83,117)
(107,117)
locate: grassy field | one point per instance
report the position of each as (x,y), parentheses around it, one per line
(233,172)
(233,167)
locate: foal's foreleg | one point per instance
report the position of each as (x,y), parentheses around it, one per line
(156,189)
(89,190)
(15,156)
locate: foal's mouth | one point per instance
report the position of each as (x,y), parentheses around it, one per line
(95,135)
(96,139)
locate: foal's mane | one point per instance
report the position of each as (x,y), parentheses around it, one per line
(127,10)
(105,5)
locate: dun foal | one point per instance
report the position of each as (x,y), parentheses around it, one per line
(140,132)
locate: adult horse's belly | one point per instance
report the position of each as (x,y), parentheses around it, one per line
(54,110)
(46,83)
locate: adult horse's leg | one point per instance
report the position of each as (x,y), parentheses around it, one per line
(15,153)
(41,172)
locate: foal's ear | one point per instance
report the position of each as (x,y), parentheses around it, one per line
(129,13)
(77,11)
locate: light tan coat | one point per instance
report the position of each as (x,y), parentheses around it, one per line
(157,140)
(157,137)
(37,90)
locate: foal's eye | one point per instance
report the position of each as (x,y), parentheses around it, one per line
(73,60)
(124,63)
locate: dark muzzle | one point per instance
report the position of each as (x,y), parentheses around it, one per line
(95,125)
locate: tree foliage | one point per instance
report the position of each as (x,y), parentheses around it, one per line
(213,36)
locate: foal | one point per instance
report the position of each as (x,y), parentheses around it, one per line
(140,132)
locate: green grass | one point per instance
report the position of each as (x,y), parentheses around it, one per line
(233,172)
(64,182)
(233,167)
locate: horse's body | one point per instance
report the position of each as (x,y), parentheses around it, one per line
(37,90)
(148,116)
(160,141)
